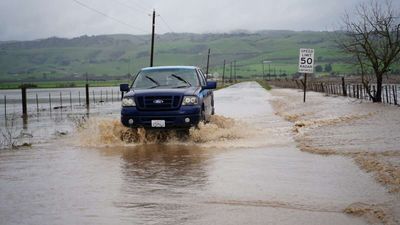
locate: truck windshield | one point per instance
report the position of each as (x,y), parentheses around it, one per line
(166,78)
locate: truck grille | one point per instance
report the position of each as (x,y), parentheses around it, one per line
(154,103)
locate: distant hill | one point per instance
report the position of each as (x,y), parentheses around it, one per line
(120,54)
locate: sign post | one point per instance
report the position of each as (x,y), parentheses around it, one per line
(306,66)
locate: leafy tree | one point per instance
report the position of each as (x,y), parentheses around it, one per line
(318,68)
(328,67)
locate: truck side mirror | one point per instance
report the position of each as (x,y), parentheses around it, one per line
(211,85)
(124,87)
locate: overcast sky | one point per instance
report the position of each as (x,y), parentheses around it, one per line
(33,19)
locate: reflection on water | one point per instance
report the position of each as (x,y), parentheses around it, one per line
(165,166)
(160,182)
(116,185)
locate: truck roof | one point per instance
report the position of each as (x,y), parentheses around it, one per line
(169,67)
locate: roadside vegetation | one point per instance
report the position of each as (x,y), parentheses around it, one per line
(264,84)
(11,137)
(110,57)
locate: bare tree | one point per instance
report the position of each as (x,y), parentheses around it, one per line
(9,134)
(372,36)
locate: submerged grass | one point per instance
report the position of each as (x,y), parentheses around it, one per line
(384,173)
(264,84)
(307,120)
(374,213)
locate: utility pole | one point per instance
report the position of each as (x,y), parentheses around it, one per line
(263,68)
(152,38)
(223,74)
(305,87)
(269,71)
(208,61)
(230,77)
(87,91)
(234,69)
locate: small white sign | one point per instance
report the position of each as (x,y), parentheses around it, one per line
(158,123)
(306,60)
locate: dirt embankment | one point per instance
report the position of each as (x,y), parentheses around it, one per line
(367,132)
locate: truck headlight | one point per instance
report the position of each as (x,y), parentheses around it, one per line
(128,102)
(190,100)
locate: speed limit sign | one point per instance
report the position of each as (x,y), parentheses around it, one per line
(306,60)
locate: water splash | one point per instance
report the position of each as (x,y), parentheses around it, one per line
(97,132)
(219,128)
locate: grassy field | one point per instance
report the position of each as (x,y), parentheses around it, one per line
(117,55)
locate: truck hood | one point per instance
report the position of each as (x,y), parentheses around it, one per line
(164,91)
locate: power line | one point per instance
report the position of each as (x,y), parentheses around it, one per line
(142,5)
(110,17)
(137,9)
(144,11)
(165,22)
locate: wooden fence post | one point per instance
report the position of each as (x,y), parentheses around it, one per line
(50,102)
(387,94)
(305,87)
(37,103)
(344,87)
(5,108)
(61,100)
(70,99)
(24,102)
(87,95)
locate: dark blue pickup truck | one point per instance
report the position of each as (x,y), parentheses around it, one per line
(168,97)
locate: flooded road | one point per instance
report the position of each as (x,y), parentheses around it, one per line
(248,172)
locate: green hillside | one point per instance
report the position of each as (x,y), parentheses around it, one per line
(109,56)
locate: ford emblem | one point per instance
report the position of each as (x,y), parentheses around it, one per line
(158,101)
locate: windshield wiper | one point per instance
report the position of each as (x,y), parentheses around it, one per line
(156,86)
(152,80)
(181,86)
(181,79)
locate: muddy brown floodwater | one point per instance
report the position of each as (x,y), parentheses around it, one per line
(242,168)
